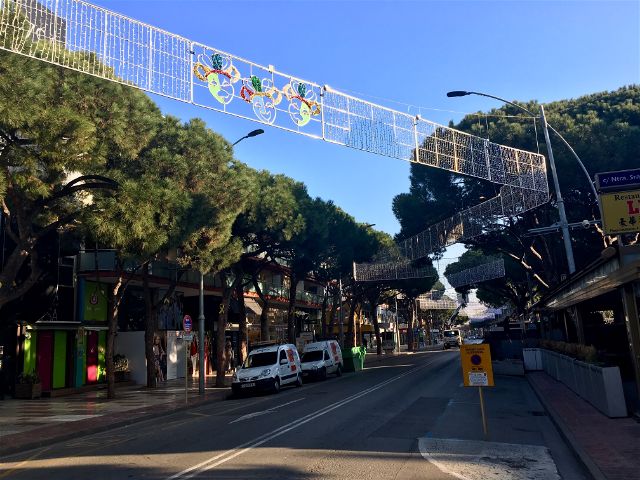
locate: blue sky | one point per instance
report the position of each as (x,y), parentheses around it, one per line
(405,55)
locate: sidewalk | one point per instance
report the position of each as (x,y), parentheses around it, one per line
(609,448)
(26,424)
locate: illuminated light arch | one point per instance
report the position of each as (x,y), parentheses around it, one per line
(96,41)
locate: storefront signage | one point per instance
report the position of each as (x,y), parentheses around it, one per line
(615,181)
(620,212)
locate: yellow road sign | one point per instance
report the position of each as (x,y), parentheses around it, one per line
(620,212)
(476,366)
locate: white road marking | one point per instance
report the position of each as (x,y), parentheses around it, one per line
(256,442)
(263,412)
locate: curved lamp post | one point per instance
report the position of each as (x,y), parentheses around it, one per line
(564,225)
(201,318)
(252,133)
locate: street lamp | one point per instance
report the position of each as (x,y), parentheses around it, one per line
(253,133)
(564,225)
(201,318)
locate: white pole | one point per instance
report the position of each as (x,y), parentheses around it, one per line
(202,371)
(563,215)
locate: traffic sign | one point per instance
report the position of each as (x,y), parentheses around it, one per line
(476,365)
(187,324)
(187,337)
(620,212)
(617,181)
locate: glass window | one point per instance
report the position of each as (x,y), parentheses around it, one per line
(264,359)
(313,356)
(283,355)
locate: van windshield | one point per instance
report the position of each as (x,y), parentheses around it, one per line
(313,356)
(451,333)
(264,359)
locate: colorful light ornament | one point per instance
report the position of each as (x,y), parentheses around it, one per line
(220,75)
(302,104)
(263,96)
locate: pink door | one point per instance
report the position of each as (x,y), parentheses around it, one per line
(44,358)
(92,357)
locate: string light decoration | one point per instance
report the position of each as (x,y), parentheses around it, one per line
(99,42)
(394,270)
(427,302)
(481,273)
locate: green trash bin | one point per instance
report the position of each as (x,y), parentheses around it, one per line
(348,360)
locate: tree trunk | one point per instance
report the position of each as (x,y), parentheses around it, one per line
(243,329)
(410,322)
(264,314)
(350,339)
(150,324)
(323,317)
(222,328)
(334,312)
(117,292)
(376,327)
(291,317)
(373,300)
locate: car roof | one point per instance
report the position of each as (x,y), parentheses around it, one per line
(271,348)
(317,345)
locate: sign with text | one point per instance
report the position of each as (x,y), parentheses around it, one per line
(615,181)
(187,324)
(476,366)
(620,212)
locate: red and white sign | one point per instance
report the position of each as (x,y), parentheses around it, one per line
(187,324)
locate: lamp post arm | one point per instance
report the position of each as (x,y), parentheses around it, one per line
(239,140)
(505,101)
(584,169)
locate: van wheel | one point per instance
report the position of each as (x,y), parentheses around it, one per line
(339,370)
(276,385)
(299,381)
(323,373)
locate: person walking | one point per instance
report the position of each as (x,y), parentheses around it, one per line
(228,355)
(194,355)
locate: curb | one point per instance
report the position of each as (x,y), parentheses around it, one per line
(567,436)
(89,427)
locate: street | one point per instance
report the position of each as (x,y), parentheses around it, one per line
(379,423)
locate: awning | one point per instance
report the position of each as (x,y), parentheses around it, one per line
(252,306)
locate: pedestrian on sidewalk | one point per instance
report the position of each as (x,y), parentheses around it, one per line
(228,355)
(194,355)
(207,359)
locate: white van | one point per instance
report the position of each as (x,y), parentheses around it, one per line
(451,338)
(268,368)
(322,358)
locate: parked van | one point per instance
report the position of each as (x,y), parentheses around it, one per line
(322,358)
(268,368)
(451,338)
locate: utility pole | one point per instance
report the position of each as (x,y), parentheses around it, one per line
(202,372)
(564,225)
(341,317)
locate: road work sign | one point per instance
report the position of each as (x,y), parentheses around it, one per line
(620,212)
(476,366)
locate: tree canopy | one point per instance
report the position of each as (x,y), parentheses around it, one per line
(603,128)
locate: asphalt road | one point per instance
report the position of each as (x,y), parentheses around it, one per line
(359,426)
